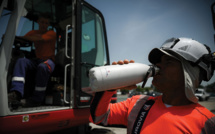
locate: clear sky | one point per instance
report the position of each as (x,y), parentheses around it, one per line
(134,27)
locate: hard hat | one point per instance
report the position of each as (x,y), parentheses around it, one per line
(191,50)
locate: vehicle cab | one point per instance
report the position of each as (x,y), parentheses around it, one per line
(81,44)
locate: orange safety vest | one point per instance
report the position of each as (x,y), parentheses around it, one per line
(192,118)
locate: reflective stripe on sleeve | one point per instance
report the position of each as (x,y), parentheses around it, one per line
(209,127)
(102,118)
(18,79)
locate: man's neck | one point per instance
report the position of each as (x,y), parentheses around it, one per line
(175,98)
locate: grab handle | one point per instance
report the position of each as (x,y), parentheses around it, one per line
(66,42)
(65,84)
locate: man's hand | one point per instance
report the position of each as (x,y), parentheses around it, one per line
(120,62)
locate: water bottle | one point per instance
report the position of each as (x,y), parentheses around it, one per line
(117,76)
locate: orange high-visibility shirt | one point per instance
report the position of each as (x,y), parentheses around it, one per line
(45,49)
(193,118)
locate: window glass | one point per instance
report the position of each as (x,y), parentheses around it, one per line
(93,43)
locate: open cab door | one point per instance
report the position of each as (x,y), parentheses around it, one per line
(93,50)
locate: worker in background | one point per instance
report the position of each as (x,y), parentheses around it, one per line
(44,42)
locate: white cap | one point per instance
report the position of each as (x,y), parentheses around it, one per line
(189,52)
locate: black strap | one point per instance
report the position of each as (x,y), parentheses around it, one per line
(142,116)
(151,69)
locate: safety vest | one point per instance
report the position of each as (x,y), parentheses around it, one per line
(192,118)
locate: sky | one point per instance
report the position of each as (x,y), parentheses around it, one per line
(134,27)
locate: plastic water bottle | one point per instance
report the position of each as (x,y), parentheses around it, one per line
(117,76)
